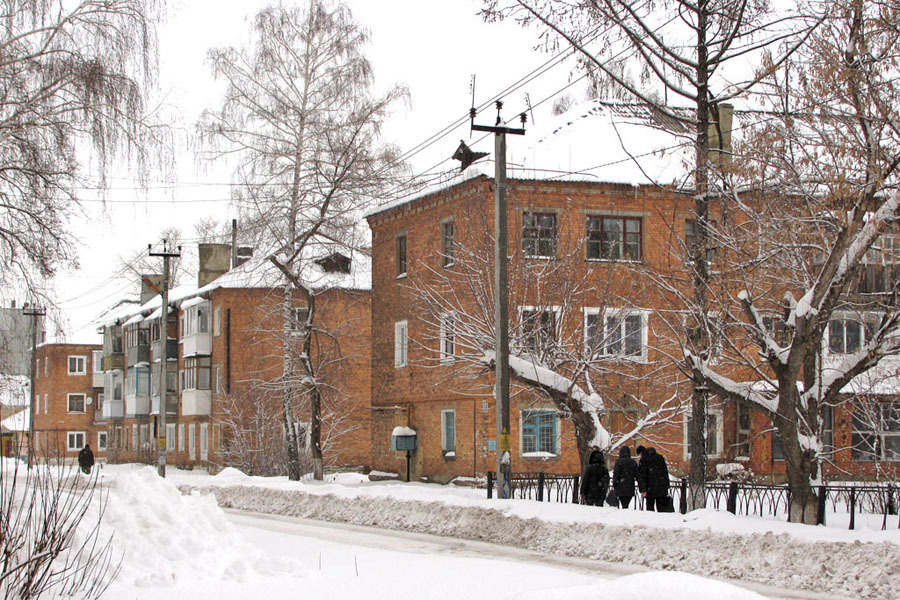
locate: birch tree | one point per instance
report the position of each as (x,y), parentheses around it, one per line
(72,77)
(685,51)
(824,208)
(301,122)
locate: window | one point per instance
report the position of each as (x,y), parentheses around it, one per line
(112,340)
(625,334)
(134,437)
(99,407)
(742,437)
(46,403)
(448,433)
(447,238)
(885,251)
(192,441)
(876,432)
(204,441)
(76,403)
(195,319)
(181,437)
(74,440)
(137,336)
(138,381)
(614,238)
(776,328)
(217,322)
(845,335)
(145,436)
(539,432)
(195,375)
(448,337)
(401,343)
(538,329)
(827,429)
(170,437)
(713,432)
(539,234)
(46,366)
(101,441)
(299,318)
(401,255)
(77,365)
(690,238)
(217,379)
(97,361)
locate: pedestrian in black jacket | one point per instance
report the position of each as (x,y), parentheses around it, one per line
(595,482)
(86,459)
(653,479)
(624,475)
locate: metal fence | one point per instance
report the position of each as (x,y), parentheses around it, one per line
(738,498)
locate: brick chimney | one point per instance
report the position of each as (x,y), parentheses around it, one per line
(150,286)
(720,150)
(215,260)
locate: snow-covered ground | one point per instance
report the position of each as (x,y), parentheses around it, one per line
(176,541)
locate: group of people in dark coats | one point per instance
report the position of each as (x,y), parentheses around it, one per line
(651,475)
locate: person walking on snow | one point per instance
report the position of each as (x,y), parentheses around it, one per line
(624,475)
(86,459)
(653,479)
(595,482)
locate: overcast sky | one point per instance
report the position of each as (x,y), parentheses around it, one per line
(431,46)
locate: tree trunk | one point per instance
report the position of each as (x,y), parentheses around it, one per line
(288,390)
(802,467)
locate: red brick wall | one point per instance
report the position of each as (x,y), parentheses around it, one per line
(52,419)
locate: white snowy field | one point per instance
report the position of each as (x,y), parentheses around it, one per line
(176,541)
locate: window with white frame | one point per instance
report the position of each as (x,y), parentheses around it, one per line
(145,436)
(134,436)
(196,319)
(217,379)
(539,432)
(714,421)
(448,337)
(97,361)
(77,365)
(625,333)
(75,403)
(400,255)
(170,437)
(138,381)
(401,343)
(447,243)
(46,403)
(192,441)
(875,433)
(181,437)
(845,334)
(217,322)
(74,440)
(538,328)
(299,318)
(448,433)
(112,385)
(101,441)
(204,441)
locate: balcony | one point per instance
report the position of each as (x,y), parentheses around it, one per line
(171,349)
(876,279)
(196,403)
(171,405)
(197,343)
(98,379)
(113,409)
(113,361)
(139,354)
(137,405)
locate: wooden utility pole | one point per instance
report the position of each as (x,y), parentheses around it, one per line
(34,312)
(164,355)
(501,297)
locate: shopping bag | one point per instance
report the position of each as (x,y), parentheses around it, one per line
(612,498)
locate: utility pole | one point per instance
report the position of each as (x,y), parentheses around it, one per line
(501,282)
(164,355)
(33,312)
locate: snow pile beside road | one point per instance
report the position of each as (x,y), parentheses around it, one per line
(164,536)
(674,542)
(641,586)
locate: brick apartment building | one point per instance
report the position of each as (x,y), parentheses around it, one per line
(68,400)
(224,346)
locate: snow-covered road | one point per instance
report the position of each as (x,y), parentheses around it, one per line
(346,555)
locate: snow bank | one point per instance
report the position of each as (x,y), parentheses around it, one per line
(163,536)
(671,586)
(700,542)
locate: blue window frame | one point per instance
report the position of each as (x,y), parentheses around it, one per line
(539,431)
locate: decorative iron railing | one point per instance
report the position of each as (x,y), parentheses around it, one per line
(738,498)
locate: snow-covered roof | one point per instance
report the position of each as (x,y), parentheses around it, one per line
(17,422)
(596,141)
(126,312)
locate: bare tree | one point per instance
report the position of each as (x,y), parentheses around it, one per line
(824,168)
(49,543)
(300,119)
(71,74)
(582,371)
(650,51)
(251,423)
